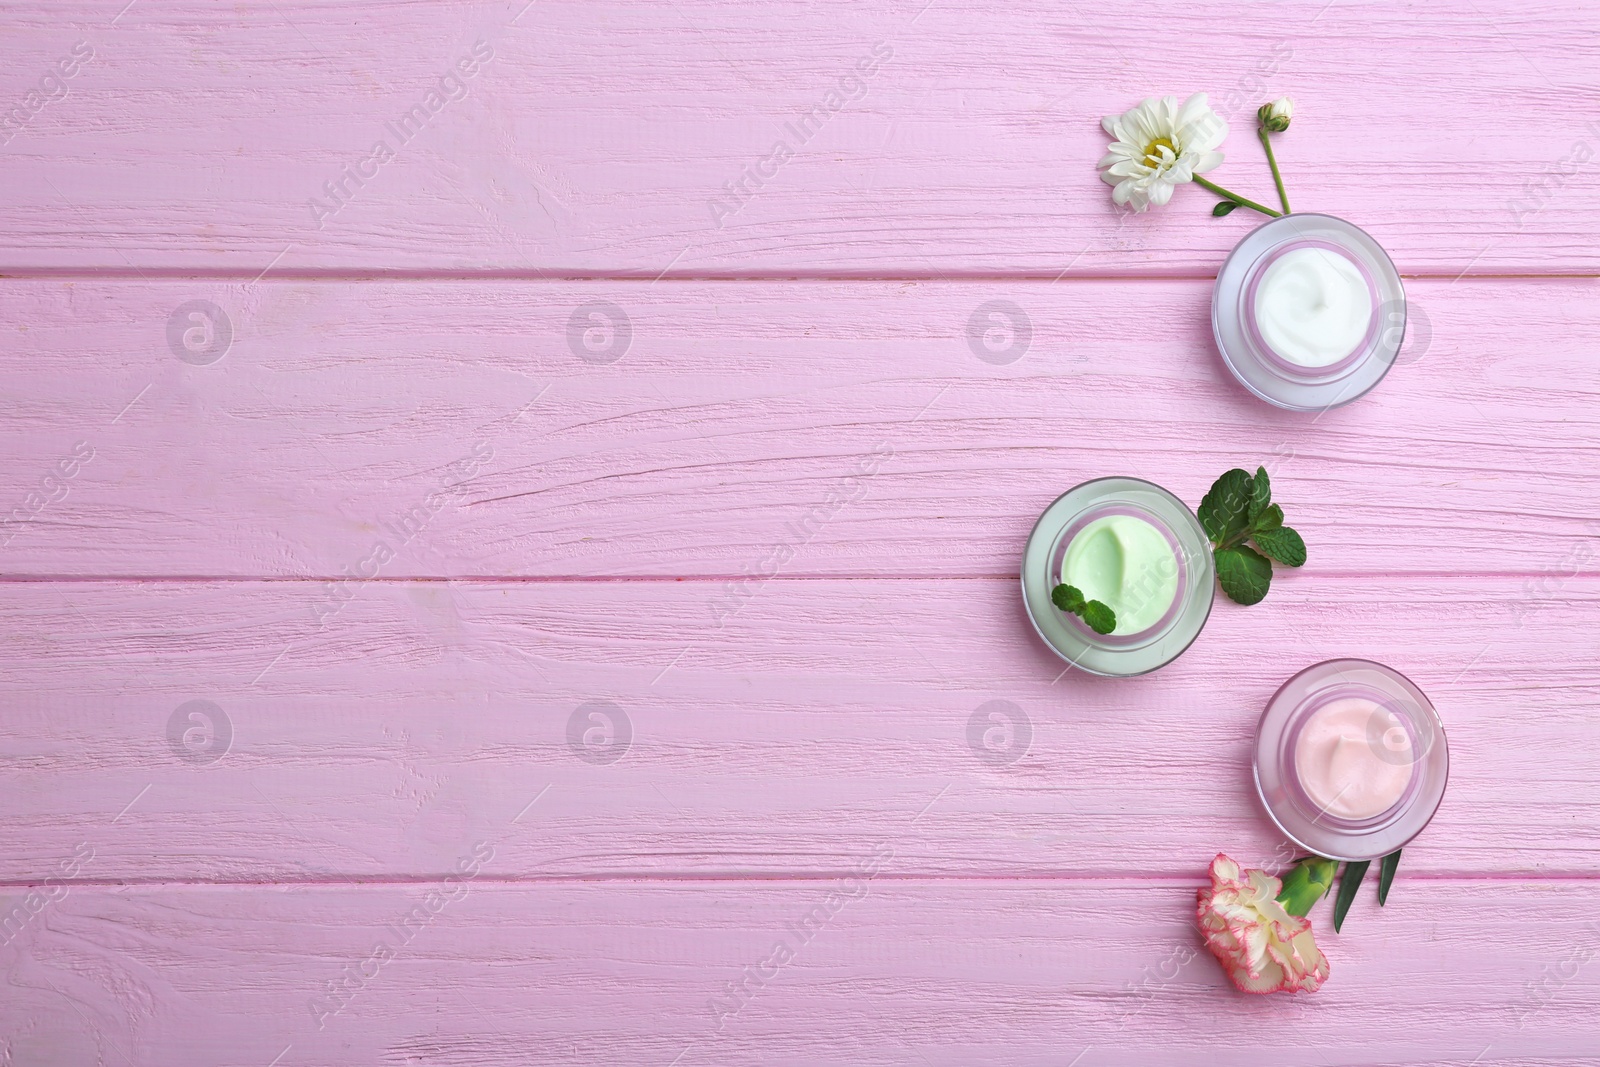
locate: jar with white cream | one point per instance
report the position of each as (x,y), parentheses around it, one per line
(1308,312)
(1134,547)
(1350,759)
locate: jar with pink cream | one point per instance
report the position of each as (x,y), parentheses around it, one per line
(1350,759)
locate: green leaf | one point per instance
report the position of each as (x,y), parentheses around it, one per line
(1306,883)
(1223,207)
(1386,869)
(1353,873)
(1068,599)
(1283,545)
(1101,619)
(1270,518)
(1245,574)
(1225,509)
(1260,494)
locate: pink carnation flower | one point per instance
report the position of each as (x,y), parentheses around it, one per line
(1263,948)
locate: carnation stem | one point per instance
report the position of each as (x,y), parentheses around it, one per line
(1235,197)
(1272,161)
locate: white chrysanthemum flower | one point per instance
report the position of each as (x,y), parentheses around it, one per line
(1159,145)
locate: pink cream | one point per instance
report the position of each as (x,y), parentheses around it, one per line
(1354,758)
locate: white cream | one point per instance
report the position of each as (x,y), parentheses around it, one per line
(1313,306)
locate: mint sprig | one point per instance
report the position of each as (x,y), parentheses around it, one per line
(1101,619)
(1239,509)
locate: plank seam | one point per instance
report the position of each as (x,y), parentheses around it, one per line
(806,877)
(573,579)
(644,277)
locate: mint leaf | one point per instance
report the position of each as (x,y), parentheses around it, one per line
(1238,509)
(1306,883)
(1067,598)
(1225,509)
(1101,619)
(1245,574)
(1260,494)
(1283,545)
(1223,207)
(1353,873)
(1386,868)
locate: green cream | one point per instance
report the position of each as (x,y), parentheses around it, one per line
(1128,565)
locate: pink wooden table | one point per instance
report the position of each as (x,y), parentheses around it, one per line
(468,602)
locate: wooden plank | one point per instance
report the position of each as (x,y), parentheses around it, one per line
(823,716)
(608,137)
(851,422)
(1030,972)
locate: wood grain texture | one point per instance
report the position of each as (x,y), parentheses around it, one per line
(820,718)
(740,417)
(1031,972)
(460,540)
(600,137)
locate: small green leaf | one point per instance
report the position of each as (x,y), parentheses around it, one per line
(1067,598)
(1386,869)
(1283,545)
(1270,518)
(1353,873)
(1306,883)
(1245,574)
(1260,494)
(1223,207)
(1101,619)
(1225,509)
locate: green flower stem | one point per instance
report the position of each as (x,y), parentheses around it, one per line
(1272,161)
(1235,197)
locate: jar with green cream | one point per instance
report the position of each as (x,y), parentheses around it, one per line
(1135,548)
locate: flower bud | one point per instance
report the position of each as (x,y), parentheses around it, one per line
(1276,115)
